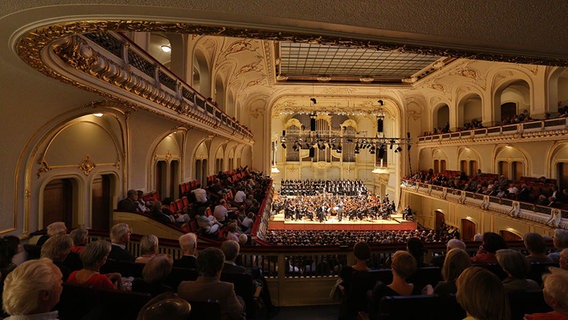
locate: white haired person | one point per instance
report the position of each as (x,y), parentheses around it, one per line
(32,290)
(555,293)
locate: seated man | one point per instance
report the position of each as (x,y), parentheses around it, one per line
(208,287)
(188,245)
(207,223)
(221,212)
(130,203)
(119,237)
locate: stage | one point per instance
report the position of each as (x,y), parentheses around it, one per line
(396,222)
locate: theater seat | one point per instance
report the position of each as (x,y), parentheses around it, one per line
(205,310)
(420,307)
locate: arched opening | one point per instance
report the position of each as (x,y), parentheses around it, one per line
(161,177)
(468,228)
(101,201)
(510,236)
(174,179)
(60,201)
(440,220)
(442,119)
(470,112)
(512,103)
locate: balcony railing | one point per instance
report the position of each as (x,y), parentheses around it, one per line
(510,129)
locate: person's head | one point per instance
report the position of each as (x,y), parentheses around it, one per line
(403,264)
(188,243)
(166,306)
(564,259)
(560,239)
(120,233)
(456,261)
(362,251)
(481,294)
(33,287)
(455,244)
(80,236)
(132,194)
(156,206)
(478,237)
(210,262)
(230,249)
(222,202)
(56,228)
(416,248)
(7,251)
(140,194)
(157,269)
(243,239)
(493,242)
(149,244)
(57,248)
(513,262)
(534,243)
(556,290)
(95,254)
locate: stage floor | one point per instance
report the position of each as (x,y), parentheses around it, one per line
(277,222)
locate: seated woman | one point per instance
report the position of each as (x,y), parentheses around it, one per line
(403,266)
(481,294)
(516,266)
(555,293)
(148,248)
(457,260)
(94,257)
(154,275)
(206,222)
(232,233)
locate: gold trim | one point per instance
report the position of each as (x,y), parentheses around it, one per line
(87,165)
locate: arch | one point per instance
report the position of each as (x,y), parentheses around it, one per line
(557,90)
(470,109)
(511,86)
(469,155)
(507,155)
(441,117)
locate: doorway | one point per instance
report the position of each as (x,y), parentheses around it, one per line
(59,201)
(468,229)
(101,202)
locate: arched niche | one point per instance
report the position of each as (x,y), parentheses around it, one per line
(511,162)
(470,110)
(441,117)
(469,160)
(510,99)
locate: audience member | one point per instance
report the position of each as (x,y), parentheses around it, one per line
(14,245)
(32,290)
(119,237)
(516,266)
(57,248)
(481,295)
(207,223)
(94,257)
(247,223)
(141,204)
(130,203)
(560,241)
(402,267)
(188,245)
(80,237)
(200,194)
(54,228)
(232,233)
(438,261)
(536,246)
(208,287)
(154,276)
(166,306)
(416,248)
(148,248)
(486,253)
(221,212)
(555,293)
(457,260)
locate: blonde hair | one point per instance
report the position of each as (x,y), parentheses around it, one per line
(23,285)
(481,294)
(456,261)
(94,253)
(57,247)
(57,227)
(403,263)
(149,244)
(158,268)
(556,289)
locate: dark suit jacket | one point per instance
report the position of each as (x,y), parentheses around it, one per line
(119,254)
(189,262)
(205,289)
(229,267)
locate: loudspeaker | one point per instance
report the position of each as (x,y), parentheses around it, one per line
(380,125)
(312,152)
(283,132)
(381,152)
(313,124)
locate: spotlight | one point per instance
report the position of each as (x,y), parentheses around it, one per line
(283,145)
(380,102)
(313,100)
(398,149)
(356,150)
(372,150)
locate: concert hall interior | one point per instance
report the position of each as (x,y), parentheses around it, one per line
(343,120)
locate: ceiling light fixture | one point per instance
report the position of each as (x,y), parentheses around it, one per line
(166,48)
